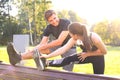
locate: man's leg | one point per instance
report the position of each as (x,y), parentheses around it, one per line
(13,55)
(68,53)
(40,62)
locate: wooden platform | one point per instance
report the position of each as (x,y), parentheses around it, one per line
(8,72)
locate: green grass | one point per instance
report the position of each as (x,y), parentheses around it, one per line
(112,62)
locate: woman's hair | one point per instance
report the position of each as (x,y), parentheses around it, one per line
(80,29)
(49,13)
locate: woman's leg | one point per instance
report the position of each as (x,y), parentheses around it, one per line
(98,64)
(63,61)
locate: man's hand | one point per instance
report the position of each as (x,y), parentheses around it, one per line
(44,56)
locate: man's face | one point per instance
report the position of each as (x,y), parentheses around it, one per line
(53,20)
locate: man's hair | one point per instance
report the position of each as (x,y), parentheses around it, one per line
(48,13)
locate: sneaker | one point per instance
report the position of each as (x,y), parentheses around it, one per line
(40,62)
(1,62)
(14,57)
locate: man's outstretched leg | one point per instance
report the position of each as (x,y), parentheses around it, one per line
(14,57)
(68,53)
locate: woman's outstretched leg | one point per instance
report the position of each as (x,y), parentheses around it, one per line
(63,61)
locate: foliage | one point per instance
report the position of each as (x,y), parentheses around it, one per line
(101,29)
(8,29)
(8,24)
(109,31)
(31,16)
(71,15)
(30,20)
(115,32)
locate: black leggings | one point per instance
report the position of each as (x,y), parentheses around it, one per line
(97,62)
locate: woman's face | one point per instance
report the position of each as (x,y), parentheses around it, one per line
(74,36)
(53,20)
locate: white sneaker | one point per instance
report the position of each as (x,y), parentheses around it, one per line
(40,62)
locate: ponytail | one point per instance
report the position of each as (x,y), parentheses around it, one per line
(80,29)
(86,39)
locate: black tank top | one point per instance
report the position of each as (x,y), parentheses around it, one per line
(94,48)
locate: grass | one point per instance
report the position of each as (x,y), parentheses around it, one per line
(112,60)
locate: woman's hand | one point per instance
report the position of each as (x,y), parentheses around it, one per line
(44,56)
(82,56)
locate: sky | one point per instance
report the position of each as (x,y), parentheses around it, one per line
(92,10)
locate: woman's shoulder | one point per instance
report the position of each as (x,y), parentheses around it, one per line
(95,37)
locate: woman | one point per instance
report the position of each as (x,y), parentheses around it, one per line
(92,46)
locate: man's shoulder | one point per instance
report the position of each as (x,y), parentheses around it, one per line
(49,25)
(64,19)
(64,22)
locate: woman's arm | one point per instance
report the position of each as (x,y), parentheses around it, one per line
(97,41)
(99,44)
(61,50)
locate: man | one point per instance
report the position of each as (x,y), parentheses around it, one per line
(56,27)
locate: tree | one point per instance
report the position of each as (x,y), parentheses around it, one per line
(102,29)
(115,32)
(33,19)
(71,15)
(8,24)
(109,31)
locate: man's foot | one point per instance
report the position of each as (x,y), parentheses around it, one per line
(14,57)
(1,62)
(40,62)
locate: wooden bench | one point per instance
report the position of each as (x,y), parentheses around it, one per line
(8,72)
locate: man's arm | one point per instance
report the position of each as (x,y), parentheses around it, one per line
(43,41)
(56,42)
(61,50)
